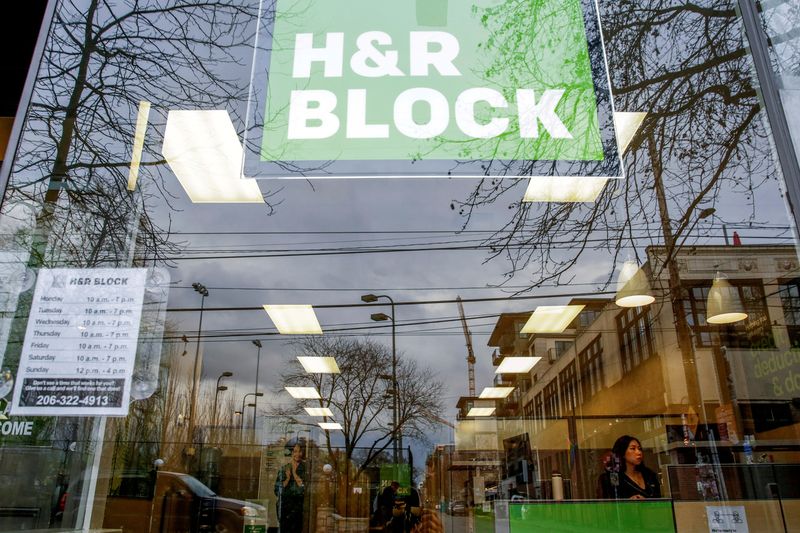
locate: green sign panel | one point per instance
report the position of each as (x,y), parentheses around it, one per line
(396,472)
(255,529)
(433,87)
(622,516)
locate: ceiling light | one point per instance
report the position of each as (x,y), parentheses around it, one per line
(294,319)
(627,124)
(633,287)
(551,318)
(564,189)
(496,392)
(516,365)
(481,411)
(318,411)
(319,365)
(203,150)
(724,305)
(303,393)
(329,426)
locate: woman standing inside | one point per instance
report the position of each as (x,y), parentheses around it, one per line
(626,476)
(290,488)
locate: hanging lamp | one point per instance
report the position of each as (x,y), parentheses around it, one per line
(633,288)
(724,305)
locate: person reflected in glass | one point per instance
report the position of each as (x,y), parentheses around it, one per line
(626,475)
(290,488)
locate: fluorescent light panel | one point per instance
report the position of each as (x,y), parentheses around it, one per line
(203,150)
(496,392)
(303,393)
(564,189)
(329,426)
(627,124)
(481,411)
(517,365)
(318,411)
(551,318)
(319,365)
(294,319)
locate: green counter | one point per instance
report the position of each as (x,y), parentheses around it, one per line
(592,516)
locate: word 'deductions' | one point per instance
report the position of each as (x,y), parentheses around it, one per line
(317,113)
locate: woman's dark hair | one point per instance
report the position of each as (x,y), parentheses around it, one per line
(290,445)
(619,449)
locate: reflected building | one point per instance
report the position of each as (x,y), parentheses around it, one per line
(615,371)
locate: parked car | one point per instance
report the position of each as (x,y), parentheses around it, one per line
(171,501)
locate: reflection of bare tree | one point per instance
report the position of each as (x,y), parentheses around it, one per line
(101,61)
(687,67)
(357,397)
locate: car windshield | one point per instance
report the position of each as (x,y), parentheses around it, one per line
(197,487)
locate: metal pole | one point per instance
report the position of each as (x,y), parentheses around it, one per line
(398,443)
(258,365)
(214,416)
(194,374)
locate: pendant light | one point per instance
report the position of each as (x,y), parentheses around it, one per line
(633,288)
(724,305)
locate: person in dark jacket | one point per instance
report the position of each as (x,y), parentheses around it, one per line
(386,502)
(626,476)
(290,488)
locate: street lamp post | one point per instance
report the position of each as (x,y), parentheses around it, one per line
(220,388)
(244,399)
(203,291)
(397,443)
(257,343)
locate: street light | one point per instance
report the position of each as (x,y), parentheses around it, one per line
(397,443)
(244,398)
(257,343)
(203,291)
(220,388)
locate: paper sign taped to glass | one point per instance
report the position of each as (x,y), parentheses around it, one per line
(432,88)
(88,340)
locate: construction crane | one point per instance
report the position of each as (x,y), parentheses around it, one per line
(470,353)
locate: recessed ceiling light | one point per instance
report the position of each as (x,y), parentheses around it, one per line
(481,411)
(496,392)
(303,393)
(564,189)
(318,411)
(627,124)
(319,365)
(330,426)
(294,319)
(517,365)
(203,150)
(551,318)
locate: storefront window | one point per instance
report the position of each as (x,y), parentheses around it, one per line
(324,266)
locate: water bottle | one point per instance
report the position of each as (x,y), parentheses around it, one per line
(748,450)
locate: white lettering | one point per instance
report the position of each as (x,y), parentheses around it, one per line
(301,112)
(465,113)
(530,113)
(357,127)
(404,116)
(382,64)
(442,59)
(305,54)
